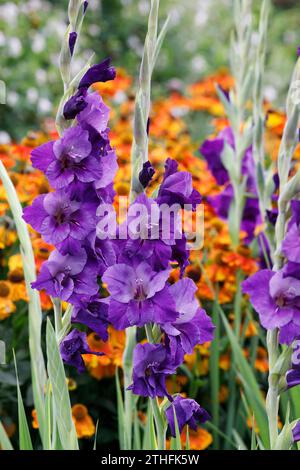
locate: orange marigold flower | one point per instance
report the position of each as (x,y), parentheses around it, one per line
(84,424)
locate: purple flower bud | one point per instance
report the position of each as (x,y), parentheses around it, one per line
(73,346)
(102,72)
(72,42)
(75,104)
(187,412)
(85,6)
(146,174)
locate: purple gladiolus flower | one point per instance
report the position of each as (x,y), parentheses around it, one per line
(151,364)
(177,187)
(296,430)
(293,375)
(102,72)
(138,295)
(73,346)
(146,174)
(291,243)
(187,412)
(212,150)
(276,298)
(67,277)
(95,113)
(67,160)
(193,326)
(72,41)
(62,221)
(93,312)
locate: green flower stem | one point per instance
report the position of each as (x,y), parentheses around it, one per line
(128,396)
(286,190)
(139,155)
(159,420)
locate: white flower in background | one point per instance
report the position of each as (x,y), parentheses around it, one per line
(14,47)
(44,106)
(134,43)
(199,64)
(94,29)
(270,93)
(2,39)
(144,7)
(32,95)
(12,98)
(9,12)
(93,4)
(201,17)
(41,76)
(38,44)
(4,138)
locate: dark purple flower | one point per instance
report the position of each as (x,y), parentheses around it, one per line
(67,277)
(212,150)
(296,430)
(72,41)
(68,160)
(93,312)
(193,326)
(293,375)
(95,113)
(177,187)
(62,221)
(75,104)
(187,412)
(72,347)
(138,295)
(146,174)
(102,72)
(151,364)
(276,298)
(251,214)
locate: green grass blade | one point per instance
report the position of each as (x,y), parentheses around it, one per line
(61,399)
(176,441)
(239,441)
(24,434)
(149,442)
(187,442)
(252,389)
(120,408)
(4,439)
(136,432)
(214,372)
(96,435)
(34,306)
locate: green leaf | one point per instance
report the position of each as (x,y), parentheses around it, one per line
(214,372)
(4,439)
(61,399)
(187,442)
(251,387)
(120,408)
(24,434)
(48,418)
(149,442)
(176,441)
(96,434)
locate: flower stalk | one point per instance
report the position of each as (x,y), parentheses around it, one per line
(286,151)
(139,156)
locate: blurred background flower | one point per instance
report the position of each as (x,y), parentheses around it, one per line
(31,33)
